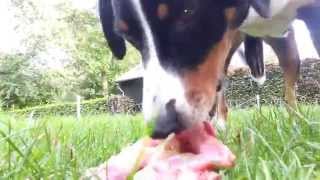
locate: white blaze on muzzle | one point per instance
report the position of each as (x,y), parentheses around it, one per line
(161,86)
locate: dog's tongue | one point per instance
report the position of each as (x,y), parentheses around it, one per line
(193,153)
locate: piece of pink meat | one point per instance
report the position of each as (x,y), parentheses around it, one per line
(193,154)
(201,140)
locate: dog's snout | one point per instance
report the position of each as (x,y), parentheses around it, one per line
(167,121)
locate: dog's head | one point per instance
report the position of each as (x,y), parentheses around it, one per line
(184,45)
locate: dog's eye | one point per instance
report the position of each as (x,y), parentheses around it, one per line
(188,12)
(185,17)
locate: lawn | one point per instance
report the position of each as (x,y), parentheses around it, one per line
(268,144)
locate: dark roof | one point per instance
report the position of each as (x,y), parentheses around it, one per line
(134,73)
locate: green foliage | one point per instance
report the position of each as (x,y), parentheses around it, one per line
(62,53)
(92,57)
(21,85)
(268,144)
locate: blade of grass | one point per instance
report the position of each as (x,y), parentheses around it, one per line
(265,170)
(264,141)
(9,147)
(15,147)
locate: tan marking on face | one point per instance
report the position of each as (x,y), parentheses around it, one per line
(201,83)
(230,15)
(122,25)
(163,11)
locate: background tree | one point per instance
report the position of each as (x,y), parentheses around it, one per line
(62,53)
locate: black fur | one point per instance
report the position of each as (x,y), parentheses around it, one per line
(254,55)
(182,40)
(115,42)
(262,7)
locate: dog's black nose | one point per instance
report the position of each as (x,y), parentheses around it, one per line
(167,122)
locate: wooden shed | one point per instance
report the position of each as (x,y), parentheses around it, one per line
(131,83)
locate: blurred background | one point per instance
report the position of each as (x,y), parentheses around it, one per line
(51,51)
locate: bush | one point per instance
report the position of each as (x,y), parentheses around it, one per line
(242,90)
(112,104)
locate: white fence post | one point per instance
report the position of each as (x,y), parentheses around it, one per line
(78,107)
(258,101)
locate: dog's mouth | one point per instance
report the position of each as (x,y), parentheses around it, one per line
(174,122)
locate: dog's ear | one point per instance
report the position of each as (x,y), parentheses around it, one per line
(262,7)
(115,42)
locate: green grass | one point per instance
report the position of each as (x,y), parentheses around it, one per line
(61,147)
(268,144)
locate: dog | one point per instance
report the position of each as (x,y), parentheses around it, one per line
(186,44)
(285,49)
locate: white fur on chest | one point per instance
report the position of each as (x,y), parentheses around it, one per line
(283,12)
